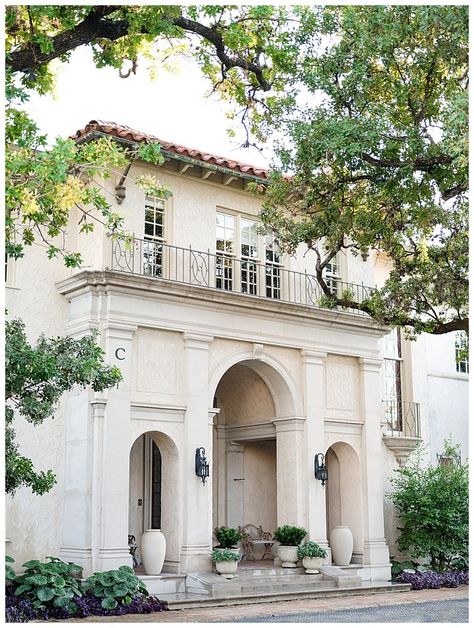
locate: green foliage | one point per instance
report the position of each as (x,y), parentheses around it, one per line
(35,378)
(49,584)
(227,537)
(289,535)
(223,555)
(9,571)
(311,549)
(241,50)
(433,506)
(114,587)
(380,163)
(405,565)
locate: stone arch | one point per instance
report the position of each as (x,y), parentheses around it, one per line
(170,482)
(272,372)
(344,492)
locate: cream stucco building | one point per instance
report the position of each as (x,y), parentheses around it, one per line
(222,344)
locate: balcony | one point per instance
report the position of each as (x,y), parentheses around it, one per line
(225,273)
(402,431)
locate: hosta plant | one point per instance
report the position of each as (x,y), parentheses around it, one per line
(9,571)
(311,550)
(49,584)
(289,535)
(114,587)
(224,555)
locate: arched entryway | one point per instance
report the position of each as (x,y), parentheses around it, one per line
(344,493)
(254,400)
(153,489)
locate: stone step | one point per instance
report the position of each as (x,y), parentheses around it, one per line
(164,583)
(178,601)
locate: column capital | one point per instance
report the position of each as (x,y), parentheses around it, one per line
(120,330)
(293,424)
(98,407)
(313,357)
(197,341)
(370,364)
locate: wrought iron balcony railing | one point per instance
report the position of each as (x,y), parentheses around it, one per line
(402,418)
(223,272)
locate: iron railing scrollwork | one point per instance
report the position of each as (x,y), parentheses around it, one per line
(402,418)
(222,271)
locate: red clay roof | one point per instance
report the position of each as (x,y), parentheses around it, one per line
(127,133)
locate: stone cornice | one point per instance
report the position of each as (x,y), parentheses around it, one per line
(117,282)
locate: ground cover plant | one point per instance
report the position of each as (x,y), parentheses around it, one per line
(48,591)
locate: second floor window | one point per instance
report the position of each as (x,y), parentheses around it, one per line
(332,274)
(154,236)
(246,261)
(461,349)
(392,379)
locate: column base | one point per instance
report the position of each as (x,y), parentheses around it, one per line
(81,556)
(113,558)
(376,553)
(195,558)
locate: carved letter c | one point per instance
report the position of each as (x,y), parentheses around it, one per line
(117,353)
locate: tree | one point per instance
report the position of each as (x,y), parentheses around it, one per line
(238,49)
(35,378)
(433,505)
(380,163)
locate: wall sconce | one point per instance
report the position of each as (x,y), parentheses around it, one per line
(320,469)
(201,465)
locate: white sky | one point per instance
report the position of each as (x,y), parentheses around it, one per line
(173,107)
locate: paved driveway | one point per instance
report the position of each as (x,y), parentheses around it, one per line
(451,611)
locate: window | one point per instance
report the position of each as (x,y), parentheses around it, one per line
(332,274)
(239,254)
(154,236)
(392,379)
(462,352)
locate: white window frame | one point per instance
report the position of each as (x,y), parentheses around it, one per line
(395,362)
(150,241)
(236,259)
(332,274)
(462,366)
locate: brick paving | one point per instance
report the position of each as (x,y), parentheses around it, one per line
(300,610)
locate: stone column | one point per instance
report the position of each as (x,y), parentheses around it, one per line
(291,455)
(98,419)
(314,369)
(197,533)
(375,552)
(114,492)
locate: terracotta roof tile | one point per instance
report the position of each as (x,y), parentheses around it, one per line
(127,133)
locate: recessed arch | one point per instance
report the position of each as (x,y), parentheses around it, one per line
(140,469)
(272,372)
(344,491)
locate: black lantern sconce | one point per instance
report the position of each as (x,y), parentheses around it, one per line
(201,465)
(320,469)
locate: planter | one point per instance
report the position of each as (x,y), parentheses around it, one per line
(288,554)
(312,564)
(227,568)
(342,543)
(153,550)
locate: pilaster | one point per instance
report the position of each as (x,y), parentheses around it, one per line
(314,377)
(197,533)
(375,551)
(290,452)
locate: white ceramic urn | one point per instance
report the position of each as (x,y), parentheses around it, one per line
(227,568)
(312,563)
(288,554)
(342,543)
(153,550)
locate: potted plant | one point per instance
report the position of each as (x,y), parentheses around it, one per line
(226,562)
(312,556)
(227,537)
(289,538)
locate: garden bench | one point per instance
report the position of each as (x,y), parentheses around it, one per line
(254,536)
